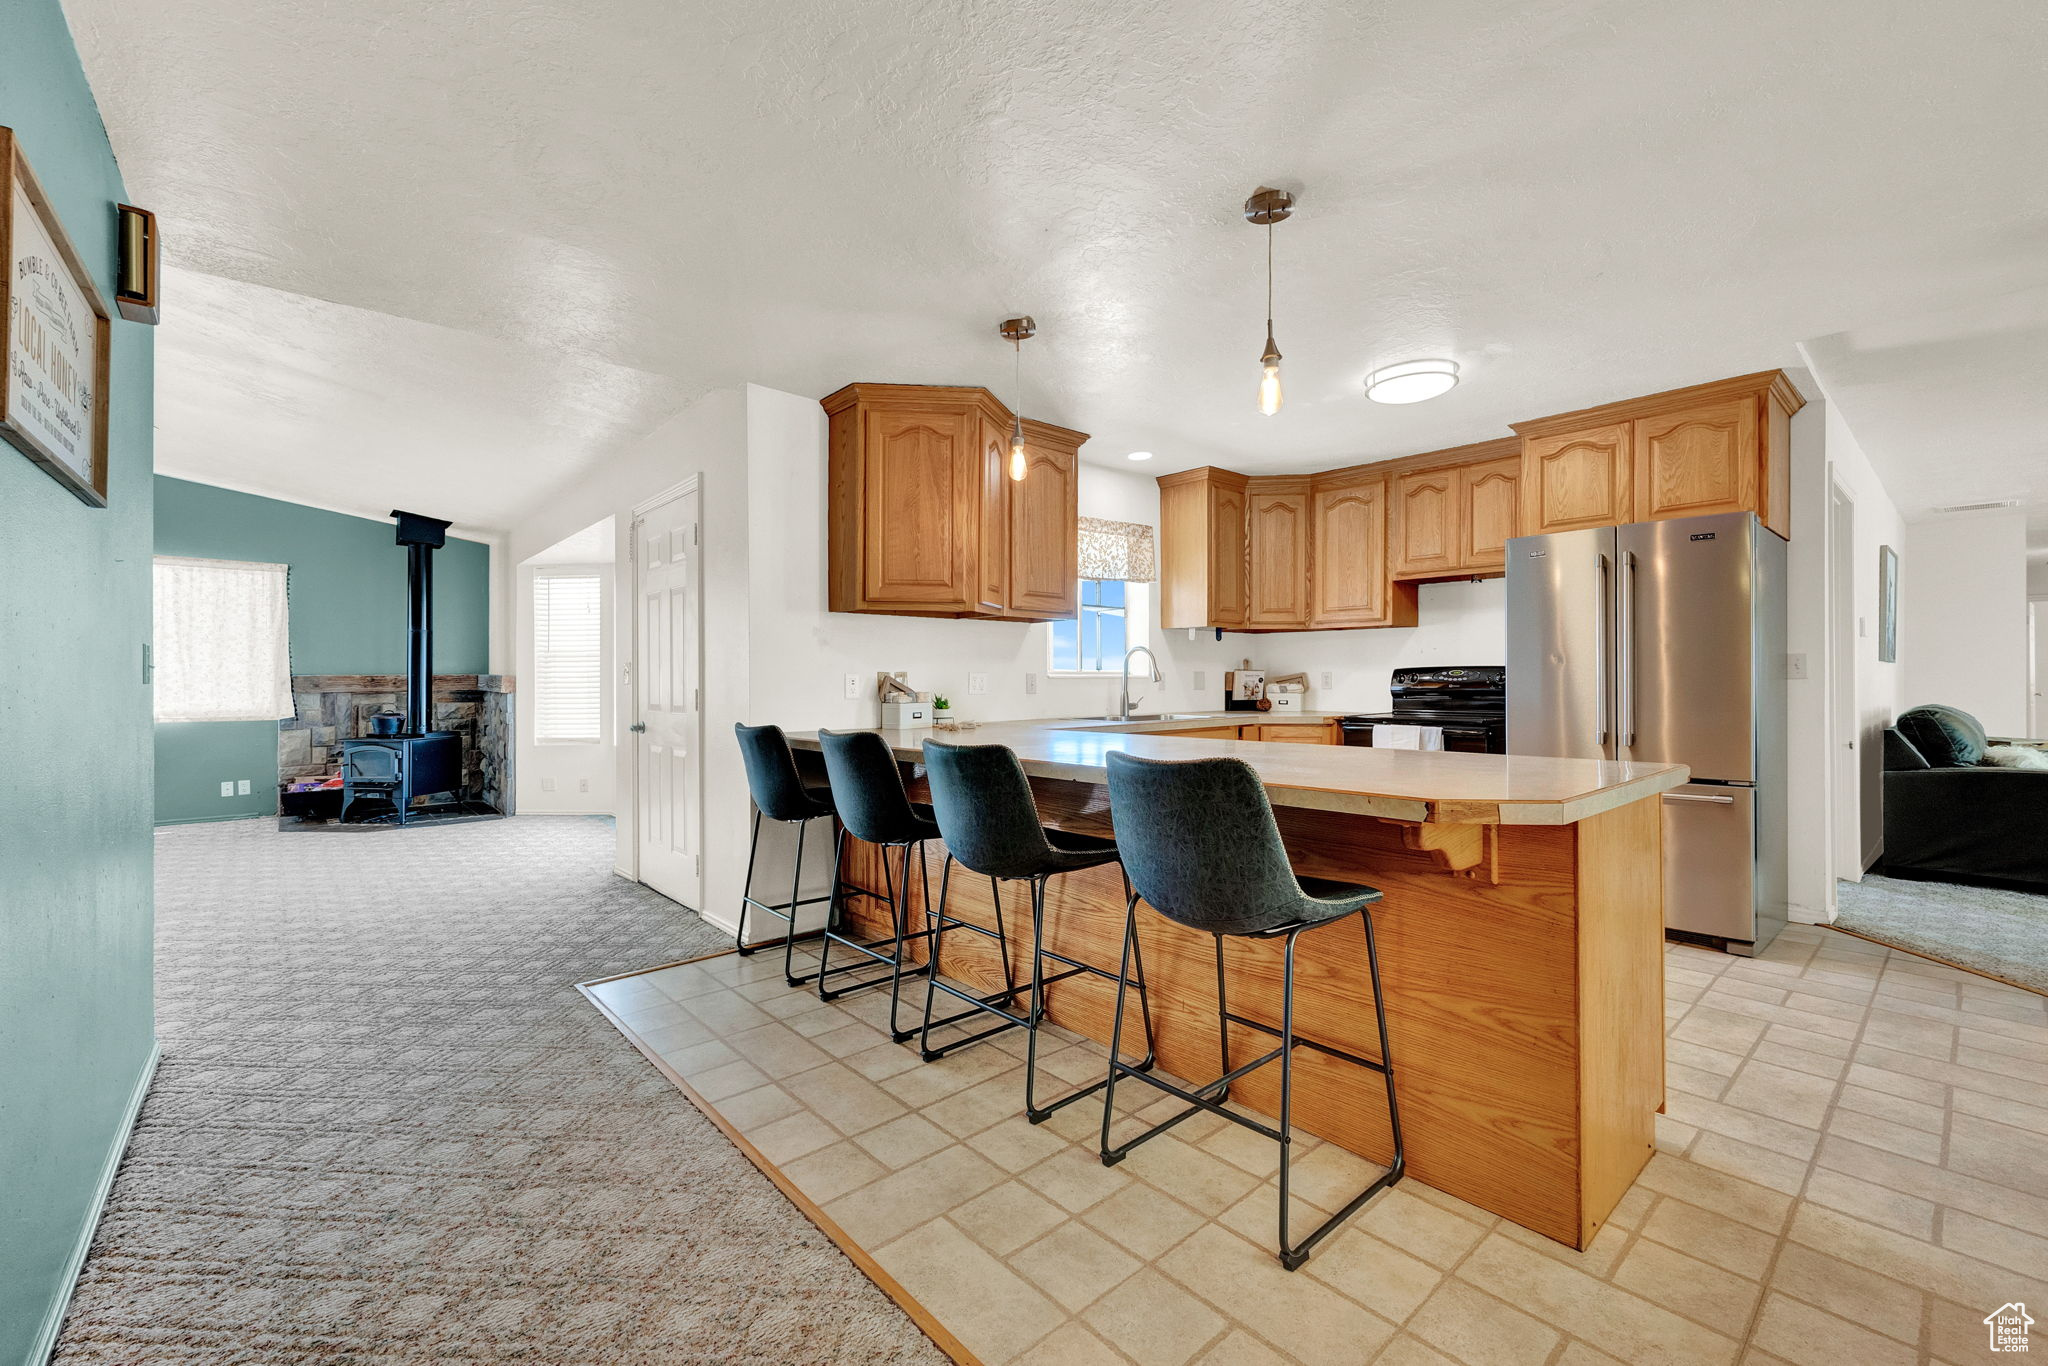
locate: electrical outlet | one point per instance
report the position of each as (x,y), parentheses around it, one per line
(242,787)
(1030,685)
(1795,666)
(227,789)
(1201,681)
(853,687)
(547,784)
(1329,679)
(583,784)
(977,684)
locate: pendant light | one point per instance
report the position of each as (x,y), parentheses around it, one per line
(1014,331)
(1267,207)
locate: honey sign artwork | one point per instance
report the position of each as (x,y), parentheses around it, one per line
(51,399)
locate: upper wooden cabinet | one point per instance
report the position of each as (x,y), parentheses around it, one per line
(1454,519)
(1044,569)
(1349,583)
(1277,538)
(923,519)
(1426,522)
(1711,448)
(1576,480)
(1203,565)
(1489,511)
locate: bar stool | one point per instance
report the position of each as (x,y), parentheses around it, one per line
(1200,844)
(867,791)
(780,794)
(990,822)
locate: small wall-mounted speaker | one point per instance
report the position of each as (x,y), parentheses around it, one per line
(135,285)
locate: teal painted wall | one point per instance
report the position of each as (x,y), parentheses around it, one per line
(347,592)
(76,1011)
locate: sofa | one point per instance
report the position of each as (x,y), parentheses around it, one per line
(1949,816)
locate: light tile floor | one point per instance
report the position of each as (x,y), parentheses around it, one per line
(1853,1169)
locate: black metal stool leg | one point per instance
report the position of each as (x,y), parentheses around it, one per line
(1116,1028)
(1001,1004)
(747,890)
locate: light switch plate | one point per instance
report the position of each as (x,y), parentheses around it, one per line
(853,687)
(1201,680)
(1329,679)
(977,684)
(227,789)
(1795,666)
(241,787)
(1030,685)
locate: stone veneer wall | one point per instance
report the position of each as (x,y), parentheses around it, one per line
(330,708)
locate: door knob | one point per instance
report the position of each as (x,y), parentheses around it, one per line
(638,728)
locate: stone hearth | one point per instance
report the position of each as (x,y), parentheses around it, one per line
(330,708)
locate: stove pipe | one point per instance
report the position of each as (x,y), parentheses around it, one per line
(421,537)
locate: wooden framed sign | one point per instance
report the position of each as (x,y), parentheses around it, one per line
(54,337)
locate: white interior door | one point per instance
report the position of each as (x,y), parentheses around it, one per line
(1845,724)
(667,729)
(2037,681)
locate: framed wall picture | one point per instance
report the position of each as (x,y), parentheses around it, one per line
(55,332)
(1887,605)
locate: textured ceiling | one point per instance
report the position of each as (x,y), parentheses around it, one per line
(628,204)
(1951,407)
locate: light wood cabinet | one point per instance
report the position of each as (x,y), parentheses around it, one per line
(1711,448)
(1697,461)
(1203,733)
(1297,734)
(1277,536)
(1455,519)
(1203,563)
(923,519)
(1577,480)
(1349,583)
(1489,512)
(1426,530)
(1044,514)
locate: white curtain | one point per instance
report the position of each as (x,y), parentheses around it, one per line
(223,643)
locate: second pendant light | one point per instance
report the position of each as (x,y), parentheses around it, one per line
(1267,207)
(1014,331)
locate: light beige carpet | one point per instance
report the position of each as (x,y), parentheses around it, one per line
(388,1129)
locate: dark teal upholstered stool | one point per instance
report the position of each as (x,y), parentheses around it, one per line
(867,792)
(1200,846)
(985,810)
(780,794)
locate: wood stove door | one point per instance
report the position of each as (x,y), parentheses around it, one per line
(667,643)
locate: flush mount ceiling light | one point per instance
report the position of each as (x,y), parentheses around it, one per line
(1140,455)
(1411,381)
(1267,207)
(1014,331)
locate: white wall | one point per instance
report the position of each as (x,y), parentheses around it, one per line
(1963,615)
(1824,450)
(564,779)
(707,439)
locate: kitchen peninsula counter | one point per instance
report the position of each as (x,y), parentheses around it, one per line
(1521,941)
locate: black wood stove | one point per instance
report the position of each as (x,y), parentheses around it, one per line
(384,776)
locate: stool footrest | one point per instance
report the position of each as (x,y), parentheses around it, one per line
(1300,1042)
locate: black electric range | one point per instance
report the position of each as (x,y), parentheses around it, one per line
(1470,703)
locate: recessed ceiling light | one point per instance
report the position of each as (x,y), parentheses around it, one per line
(1141,455)
(1411,381)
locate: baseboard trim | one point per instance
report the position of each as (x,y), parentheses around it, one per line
(53,1322)
(215,820)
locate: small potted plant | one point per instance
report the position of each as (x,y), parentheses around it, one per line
(942,712)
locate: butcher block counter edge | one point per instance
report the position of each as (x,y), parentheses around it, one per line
(1426,787)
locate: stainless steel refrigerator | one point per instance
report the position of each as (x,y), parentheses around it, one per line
(1665,642)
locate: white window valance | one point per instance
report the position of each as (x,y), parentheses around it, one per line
(223,641)
(1117,550)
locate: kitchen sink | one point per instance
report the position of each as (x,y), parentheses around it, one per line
(1158,716)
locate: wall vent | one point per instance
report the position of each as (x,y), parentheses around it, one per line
(1980,507)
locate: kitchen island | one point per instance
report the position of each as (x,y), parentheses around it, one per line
(1520,937)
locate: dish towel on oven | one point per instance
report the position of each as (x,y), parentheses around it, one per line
(1407,737)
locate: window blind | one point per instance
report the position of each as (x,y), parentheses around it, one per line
(222,646)
(568,664)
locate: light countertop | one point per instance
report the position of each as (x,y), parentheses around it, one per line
(1426,786)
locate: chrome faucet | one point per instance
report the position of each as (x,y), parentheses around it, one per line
(1124,708)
